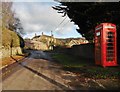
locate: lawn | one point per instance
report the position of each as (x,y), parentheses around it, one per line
(86,67)
(68,61)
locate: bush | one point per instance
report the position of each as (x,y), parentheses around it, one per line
(10,37)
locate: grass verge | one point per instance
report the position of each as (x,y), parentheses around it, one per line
(86,67)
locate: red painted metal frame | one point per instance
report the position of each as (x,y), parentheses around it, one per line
(102,30)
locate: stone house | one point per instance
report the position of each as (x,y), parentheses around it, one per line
(44,38)
(48,40)
(31,44)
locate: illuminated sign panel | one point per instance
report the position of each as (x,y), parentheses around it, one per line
(98,34)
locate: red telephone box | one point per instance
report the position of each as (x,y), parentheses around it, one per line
(105,45)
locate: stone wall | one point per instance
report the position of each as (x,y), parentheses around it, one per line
(83,50)
(7,52)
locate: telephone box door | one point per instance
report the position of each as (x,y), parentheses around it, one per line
(105,45)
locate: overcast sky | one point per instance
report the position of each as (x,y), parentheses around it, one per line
(38,17)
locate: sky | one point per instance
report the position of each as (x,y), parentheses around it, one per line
(38,17)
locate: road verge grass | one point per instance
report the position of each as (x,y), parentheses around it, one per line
(86,67)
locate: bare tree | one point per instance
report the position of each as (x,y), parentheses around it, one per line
(7,15)
(9,20)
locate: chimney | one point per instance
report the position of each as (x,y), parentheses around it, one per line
(42,33)
(35,34)
(51,34)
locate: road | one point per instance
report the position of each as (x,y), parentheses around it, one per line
(39,72)
(35,72)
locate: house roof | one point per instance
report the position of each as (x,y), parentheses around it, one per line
(47,36)
(42,36)
(36,36)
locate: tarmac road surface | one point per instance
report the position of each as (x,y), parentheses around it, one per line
(35,72)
